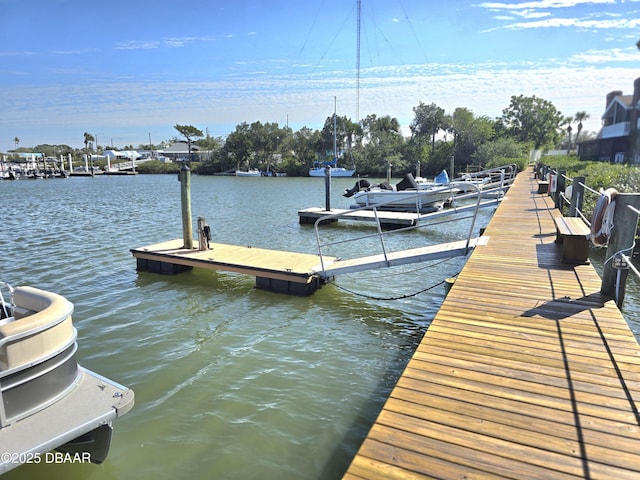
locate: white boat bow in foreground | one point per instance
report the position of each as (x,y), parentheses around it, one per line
(48,400)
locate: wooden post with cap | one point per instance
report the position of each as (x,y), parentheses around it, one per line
(621,241)
(185,198)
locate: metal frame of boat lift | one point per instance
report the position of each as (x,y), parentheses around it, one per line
(388,259)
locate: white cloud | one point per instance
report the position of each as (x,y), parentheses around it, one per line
(532,14)
(56,114)
(612,55)
(542,4)
(578,23)
(539,13)
(137,45)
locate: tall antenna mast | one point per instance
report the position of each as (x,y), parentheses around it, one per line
(359,3)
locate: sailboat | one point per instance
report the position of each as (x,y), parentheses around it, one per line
(320,167)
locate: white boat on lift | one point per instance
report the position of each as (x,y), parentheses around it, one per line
(408,195)
(49,402)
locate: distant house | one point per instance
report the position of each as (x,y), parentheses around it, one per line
(179,151)
(617,141)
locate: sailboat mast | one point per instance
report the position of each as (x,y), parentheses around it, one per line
(359,4)
(335,132)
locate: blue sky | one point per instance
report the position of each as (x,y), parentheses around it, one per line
(124,70)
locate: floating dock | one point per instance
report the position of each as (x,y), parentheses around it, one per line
(387,219)
(284,272)
(525,372)
(279,271)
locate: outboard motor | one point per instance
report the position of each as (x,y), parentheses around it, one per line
(406,183)
(360,185)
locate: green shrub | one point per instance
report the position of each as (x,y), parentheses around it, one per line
(598,176)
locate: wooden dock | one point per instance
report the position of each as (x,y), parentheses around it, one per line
(526,372)
(279,271)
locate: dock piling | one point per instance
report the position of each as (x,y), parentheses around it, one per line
(204,235)
(622,240)
(327,188)
(185,197)
(577,196)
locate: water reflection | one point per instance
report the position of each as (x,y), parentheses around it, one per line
(228,379)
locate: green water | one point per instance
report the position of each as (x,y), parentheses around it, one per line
(231,382)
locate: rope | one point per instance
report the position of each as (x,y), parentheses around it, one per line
(413,270)
(401,297)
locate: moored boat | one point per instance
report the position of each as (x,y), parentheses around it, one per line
(252,172)
(49,400)
(407,196)
(320,169)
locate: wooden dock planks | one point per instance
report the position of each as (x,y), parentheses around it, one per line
(275,264)
(525,372)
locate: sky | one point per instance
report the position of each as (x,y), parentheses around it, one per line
(128,71)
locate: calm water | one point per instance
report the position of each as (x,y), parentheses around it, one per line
(231,382)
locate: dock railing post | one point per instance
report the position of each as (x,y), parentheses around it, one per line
(185,198)
(204,235)
(559,200)
(622,241)
(577,196)
(327,188)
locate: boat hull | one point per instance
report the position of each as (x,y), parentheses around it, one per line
(422,201)
(48,399)
(249,173)
(334,172)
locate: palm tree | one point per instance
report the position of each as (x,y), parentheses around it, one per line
(579,118)
(568,121)
(88,138)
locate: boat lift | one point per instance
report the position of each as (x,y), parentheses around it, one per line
(328,269)
(302,273)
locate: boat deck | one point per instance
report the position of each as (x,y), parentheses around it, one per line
(93,402)
(525,372)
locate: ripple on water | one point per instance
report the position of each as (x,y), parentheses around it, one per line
(228,379)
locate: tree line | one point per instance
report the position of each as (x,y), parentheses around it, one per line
(370,145)
(376,141)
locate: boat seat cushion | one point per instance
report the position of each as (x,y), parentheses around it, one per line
(29,338)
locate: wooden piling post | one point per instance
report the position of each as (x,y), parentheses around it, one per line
(185,198)
(577,196)
(327,188)
(622,240)
(559,201)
